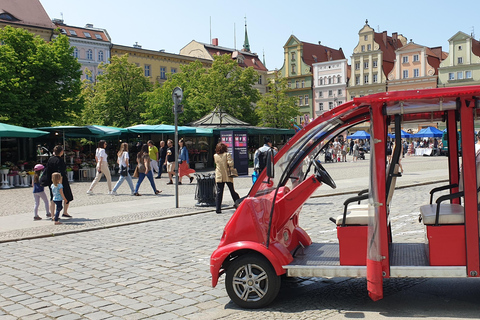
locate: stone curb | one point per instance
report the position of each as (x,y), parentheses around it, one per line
(121,224)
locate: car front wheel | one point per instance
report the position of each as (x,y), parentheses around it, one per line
(251,281)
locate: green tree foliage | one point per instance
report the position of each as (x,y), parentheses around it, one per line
(276,108)
(39,81)
(118,97)
(225,85)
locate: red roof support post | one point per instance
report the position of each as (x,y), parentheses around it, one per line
(470,186)
(452,150)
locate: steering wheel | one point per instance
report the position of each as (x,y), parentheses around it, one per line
(322,175)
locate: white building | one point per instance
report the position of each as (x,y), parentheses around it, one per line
(329,85)
(91,47)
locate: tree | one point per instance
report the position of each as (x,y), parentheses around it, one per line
(118,97)
(39,81)
(276,108)
(225,85)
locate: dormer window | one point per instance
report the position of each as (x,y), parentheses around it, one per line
(7,16)
(63,31)
(240,59)
(99,37)
(87,34)
(72,32)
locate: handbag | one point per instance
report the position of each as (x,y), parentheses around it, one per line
(135,173)
(233,172)
(123,171)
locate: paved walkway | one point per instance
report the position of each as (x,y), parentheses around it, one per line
(103,211)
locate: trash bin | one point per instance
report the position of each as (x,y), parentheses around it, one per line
(205,190)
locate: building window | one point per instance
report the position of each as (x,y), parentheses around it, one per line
(459,48)
(405,74)
(303,83)
(300,100)
(468,74)
(293,68)
(369,47)
(330,93)
(339,79)
(375,78)
(320,106)
(357,65)
(147,70)
(75,52)
(365,79)
(405,59)
(340,102)
(357,80)
(416,73)
(363,48)
(88,75)
(87,34)
(340,92)
(100,55)
(330,105)
(297,84)
(374,63)
(365,38)
(321,81)
(289,84)
(173,70)
(451,76)
(365,65)
(163,73)
(306,99)
(459,75)
(260,79)
(320,94)
(329,80)
(415,58)
(89,54)
(293,56)
(460,60)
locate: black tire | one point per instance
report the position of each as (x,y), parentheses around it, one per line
(242,286)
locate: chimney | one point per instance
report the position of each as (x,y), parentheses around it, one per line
(320,42)
(395,36)
(215,42)
(438,52)
(384,35)
(136,45)
(329,55)
(89,25)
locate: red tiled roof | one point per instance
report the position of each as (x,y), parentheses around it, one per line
(476,47)
(250,59)
(388,45)
(313,53)
(80,32)
(27,13)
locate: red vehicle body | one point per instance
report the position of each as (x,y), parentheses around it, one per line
(263,239)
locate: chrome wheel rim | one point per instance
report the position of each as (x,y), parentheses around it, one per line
(250,282)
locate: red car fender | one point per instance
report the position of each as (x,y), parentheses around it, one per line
(276,254)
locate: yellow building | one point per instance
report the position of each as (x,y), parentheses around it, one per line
(155,64)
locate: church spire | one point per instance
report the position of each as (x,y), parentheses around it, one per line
(246,45)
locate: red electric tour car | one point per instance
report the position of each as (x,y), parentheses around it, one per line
(263,239)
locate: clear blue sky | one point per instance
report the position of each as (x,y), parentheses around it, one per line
(170,25)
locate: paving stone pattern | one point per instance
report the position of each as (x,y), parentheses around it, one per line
(160,270)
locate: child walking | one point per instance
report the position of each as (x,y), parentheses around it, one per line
(39,193)
(58,196)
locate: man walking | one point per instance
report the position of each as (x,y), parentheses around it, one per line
(163,155)
(260,157)
(170,161)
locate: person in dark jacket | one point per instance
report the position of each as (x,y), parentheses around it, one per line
(163,156)
(56,164)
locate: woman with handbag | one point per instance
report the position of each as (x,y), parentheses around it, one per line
(224,174)
(143,170)
(183,163)
(102,167)
(123,165)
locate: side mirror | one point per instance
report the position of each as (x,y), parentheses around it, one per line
(270,166)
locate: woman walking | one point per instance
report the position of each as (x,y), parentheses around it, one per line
(102,167)
(183,163)
(123,164)
(144,170)
(56,164)
(223,161)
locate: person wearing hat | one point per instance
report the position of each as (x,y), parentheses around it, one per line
(39,192)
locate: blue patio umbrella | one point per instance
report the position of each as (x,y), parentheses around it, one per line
(429,132)
(359,135)
(403,134)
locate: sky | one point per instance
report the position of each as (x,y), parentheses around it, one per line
(171,25)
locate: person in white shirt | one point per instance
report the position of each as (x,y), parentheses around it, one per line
(102,167)
(123,165)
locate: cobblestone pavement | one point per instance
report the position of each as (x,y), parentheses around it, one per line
(160,270)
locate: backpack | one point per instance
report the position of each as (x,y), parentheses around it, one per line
(43,178)
(262,160)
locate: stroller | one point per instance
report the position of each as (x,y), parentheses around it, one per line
(361,153)
(328,155)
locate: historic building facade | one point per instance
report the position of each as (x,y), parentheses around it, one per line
(372,60)
(244,57)
(27,14)
(299,58)
(462,67)
(91,46)
(415,67)
(329,85)
(155,64)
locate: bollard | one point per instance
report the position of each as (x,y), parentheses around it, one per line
(205,190)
